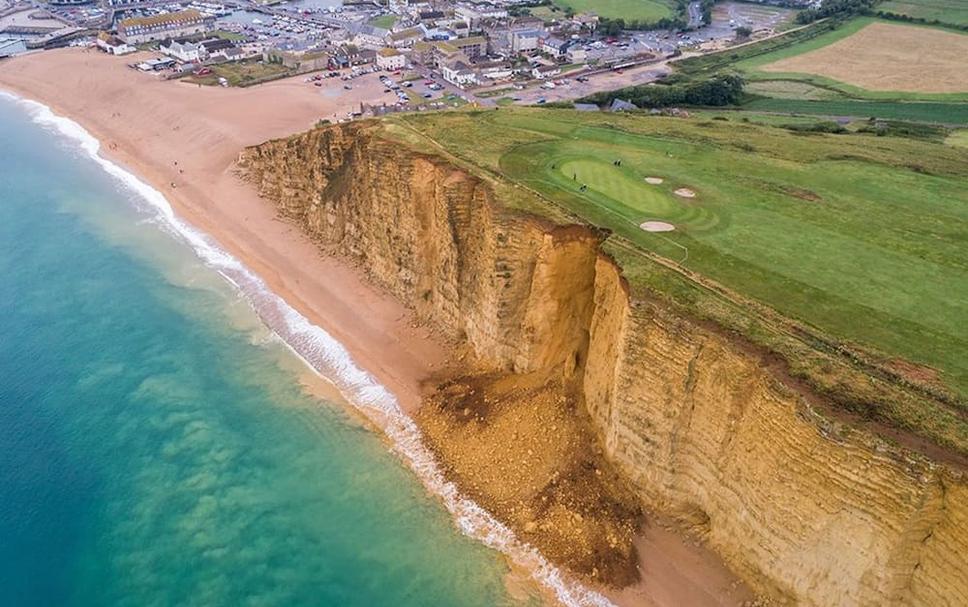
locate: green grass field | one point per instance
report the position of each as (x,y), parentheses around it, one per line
(384,21)
(243,73)
(863,238)
(642,10)
(945,11)
(941,113)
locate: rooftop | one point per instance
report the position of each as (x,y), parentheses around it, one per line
(186,15)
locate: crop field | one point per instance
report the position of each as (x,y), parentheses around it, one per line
(887,57)
(941,113)
(863,237)
(954,12)
(958,138)
(642,10)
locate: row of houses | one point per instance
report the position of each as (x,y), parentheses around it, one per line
(138,30)
(212,49)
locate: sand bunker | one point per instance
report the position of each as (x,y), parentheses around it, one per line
(657,226)
(653,180)
(685,193)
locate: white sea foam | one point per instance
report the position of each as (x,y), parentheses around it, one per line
(330,359)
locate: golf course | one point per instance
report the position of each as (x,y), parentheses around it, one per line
(859,238)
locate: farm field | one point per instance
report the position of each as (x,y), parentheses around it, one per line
(958,138)
(954,12)
(642,10)
(941,113)
(887,57)
(862,237)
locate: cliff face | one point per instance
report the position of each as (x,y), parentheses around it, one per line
(698,425)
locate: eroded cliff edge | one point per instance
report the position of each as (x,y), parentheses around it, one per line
(695,423)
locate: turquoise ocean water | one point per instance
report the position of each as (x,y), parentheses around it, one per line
(156,445)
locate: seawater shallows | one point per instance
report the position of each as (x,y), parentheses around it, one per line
(194,488)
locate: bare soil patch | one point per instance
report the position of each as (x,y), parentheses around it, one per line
(889,57)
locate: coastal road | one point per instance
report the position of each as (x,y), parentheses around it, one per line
(695,15)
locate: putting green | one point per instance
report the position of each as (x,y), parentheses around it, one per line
(624,189)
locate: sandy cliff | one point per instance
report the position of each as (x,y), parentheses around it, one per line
(691,421)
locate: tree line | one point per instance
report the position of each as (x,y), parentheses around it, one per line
(718,90)
(680,21)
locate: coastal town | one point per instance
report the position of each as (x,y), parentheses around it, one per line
(431,55)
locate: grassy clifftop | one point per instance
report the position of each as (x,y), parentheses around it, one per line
(842,254)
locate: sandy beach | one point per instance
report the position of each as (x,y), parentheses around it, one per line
(184,140)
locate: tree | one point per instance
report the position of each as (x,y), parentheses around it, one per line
(743,32)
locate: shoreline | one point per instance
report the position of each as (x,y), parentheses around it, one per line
(201,143)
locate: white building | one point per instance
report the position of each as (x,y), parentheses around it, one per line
(459,74)
(553,46)
(367,35)
(390,59)
(576,54)
(525,40)
(183,50)
(473,14)
(542,72)
(112,44)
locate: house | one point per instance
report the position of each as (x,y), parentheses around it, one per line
(185,51)
(444,53)
(422,53)
(406,38)
(586,21)
(363,34)
(554,46)
(431,16)
(525,40)
(494,70)
(349,55)
(156,65)
(138,30)
(473,47)
(112,44)
(459,74)
(216,48)
(390,59)
(541,72)
(474,14)
(576,54)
